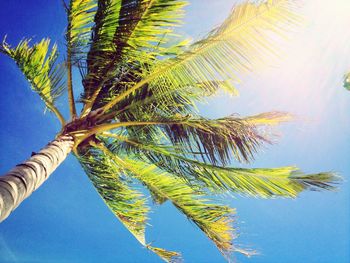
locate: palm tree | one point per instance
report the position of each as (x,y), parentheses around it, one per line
(139,123)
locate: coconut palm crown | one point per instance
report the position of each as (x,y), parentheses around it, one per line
(140,126)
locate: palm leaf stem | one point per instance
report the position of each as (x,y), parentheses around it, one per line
(155,149)
(84,134)
(72,109)
(90,102)
(56,112)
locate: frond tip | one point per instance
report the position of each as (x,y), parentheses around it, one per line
(167,256)
(319,181)
(274,182)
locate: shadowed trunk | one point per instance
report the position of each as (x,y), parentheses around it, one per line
(22,180)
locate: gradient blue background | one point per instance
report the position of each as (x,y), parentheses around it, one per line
(66,221)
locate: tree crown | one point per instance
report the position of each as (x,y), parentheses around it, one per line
(140,124)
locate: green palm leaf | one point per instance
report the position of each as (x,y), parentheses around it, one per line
(153,28)
(128,204)
(232,48)
(266,183)
(217,140)
(102,47)
(213,219)
(167,256)
(80,21)
(139,28)
(38,64)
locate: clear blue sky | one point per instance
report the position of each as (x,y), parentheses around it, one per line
(66,221)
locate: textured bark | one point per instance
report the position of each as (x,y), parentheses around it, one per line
(22,180)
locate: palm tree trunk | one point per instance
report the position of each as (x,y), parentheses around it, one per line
(22,180)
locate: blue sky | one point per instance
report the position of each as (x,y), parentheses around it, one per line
(66,221)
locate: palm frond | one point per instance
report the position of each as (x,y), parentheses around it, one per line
(80,18)
(102,48)
(214,220)
(80,21)
(267,182)
(258,182)
(152,29)
(141,27)
(218,140)
(244,38)
(166,255)
(127,204)
(146,103)
(38,64)
(268,118)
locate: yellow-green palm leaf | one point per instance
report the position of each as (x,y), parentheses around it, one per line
(126,32)
(80,21)
(258,182)
(213,219)
(38,64)
(129,205)
(117,190)
(240,42)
